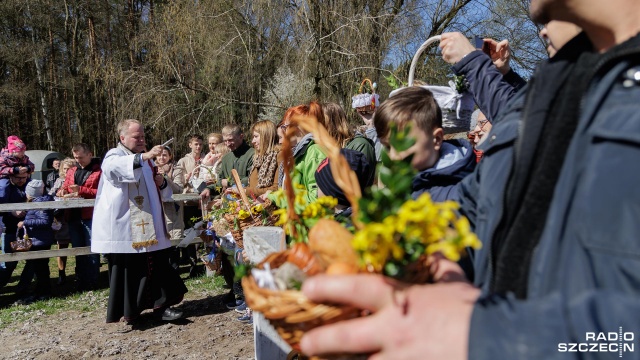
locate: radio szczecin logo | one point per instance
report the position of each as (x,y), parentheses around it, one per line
(603,342)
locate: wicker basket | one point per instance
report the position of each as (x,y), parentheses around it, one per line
(365,102)
(215,265)
(238,231)
(290,312)
(456,108)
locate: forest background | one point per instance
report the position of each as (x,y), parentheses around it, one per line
(71,69)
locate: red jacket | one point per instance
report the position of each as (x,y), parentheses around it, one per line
(88,189)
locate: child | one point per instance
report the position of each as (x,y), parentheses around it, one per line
(38,226)
(440,164)
(13,160)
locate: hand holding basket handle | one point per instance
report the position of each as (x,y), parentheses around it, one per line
(21,244)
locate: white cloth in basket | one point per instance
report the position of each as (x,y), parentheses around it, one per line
(362,100)
(456,108)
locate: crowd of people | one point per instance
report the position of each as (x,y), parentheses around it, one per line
(544,176)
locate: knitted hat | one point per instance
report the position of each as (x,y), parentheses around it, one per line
(357,162)
(15,144)
(35,188)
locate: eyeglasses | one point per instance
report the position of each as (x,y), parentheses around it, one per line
(480,133)
(19,178)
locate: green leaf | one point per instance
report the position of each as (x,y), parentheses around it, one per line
(241,270)
(391,269)
(386,160)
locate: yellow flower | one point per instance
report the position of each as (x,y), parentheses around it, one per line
(282,216)
(328,202)
(257,209)
(313,210)
(243,214)
(447,249)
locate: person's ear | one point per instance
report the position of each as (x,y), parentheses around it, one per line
(438,138)
(122,138)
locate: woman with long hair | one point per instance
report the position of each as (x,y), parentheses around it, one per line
(264,173)
(335,121)
(306,153)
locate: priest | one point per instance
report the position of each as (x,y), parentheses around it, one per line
(129,228)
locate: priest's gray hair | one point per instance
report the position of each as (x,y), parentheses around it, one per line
(123,126)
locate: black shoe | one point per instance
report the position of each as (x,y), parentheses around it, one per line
(228,297)
(196,271)
(62,277)
(27,300)
(171,314)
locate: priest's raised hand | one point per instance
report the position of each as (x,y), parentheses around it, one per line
(155,151)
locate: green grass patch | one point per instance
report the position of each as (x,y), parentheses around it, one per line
(66,298)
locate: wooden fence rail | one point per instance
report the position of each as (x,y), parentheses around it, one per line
(85,250)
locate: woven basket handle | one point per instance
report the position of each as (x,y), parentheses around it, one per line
(199,168)
(243,194)
(18,232)
(414,62)
(366,80)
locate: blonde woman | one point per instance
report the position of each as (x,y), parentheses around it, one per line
(263,176)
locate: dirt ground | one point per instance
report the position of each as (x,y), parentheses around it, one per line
(208,331)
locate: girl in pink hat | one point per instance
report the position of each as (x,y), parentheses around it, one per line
(13,160)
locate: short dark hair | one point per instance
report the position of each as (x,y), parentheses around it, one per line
(411,105)
(194,137)
(81,147)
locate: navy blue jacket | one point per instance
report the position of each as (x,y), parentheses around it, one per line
(10,193)
(38,224)
(585,271)
(490,89)
(456,161)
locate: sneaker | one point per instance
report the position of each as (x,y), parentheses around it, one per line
(246,318)
(242,308)
(233,305)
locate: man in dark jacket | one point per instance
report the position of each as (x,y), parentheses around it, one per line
(241,159)
(11,191)
(562,261)
(53,176)
(82,181)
